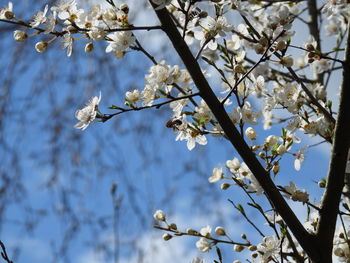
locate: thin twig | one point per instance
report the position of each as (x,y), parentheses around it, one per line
(4,253)
(247,218)
(106,117)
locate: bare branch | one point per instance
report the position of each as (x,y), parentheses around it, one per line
(336,174)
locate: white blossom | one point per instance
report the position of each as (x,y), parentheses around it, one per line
(67,43)
(216,176)
(270,247)
(294,194)
(159,215)
(203,245)
(119,41)
(87,114)
(40,17)
(20,35)
(205,231)
(250,133)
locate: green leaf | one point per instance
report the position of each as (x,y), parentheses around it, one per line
(113,107)
(219,253)
(240,208)
(162,92)
(208,61)
(274,148)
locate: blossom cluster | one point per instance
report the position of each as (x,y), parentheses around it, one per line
(71,23)
(267,89)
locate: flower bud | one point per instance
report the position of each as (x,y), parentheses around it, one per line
(252,248)
(243,236)
(89,47)
(20,35)
(250,133)
(41,46)
(271,140)
(259,49)
(8,14)
(264,41)
(159,215)
(321,184)
(239,69)
(225,186)
(191,231)
(167,237)
(287,61)
(238,248)
(254,255)
(310,47)
(236,261)
(281,45)
(276,168)
(173,226)
(220,231)
(281,149)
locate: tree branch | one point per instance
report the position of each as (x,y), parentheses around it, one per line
(306,240)
(314,29)
(336,174)
(4,253)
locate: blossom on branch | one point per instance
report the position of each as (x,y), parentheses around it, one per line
(87,114)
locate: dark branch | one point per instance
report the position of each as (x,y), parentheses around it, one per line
(304,238)
(336,174)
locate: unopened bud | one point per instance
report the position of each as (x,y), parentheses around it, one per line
(243,236)
(254,255)
(321,184)
(281,45)
(225,186)
(252,248)
(191,231)
(89,47)
(167,237)
(259,49)
(276,168)
(9,14)
(41,46)
(271,140)
(220,231)
(287,61)
(238,248)
(173,226)
(281,149)
(310,47)
(264,41)
(20,35)
(250,133)
(239,69)
(159,215)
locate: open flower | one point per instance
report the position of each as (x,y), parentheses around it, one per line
(203,245)
(216,176)
(88,113)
